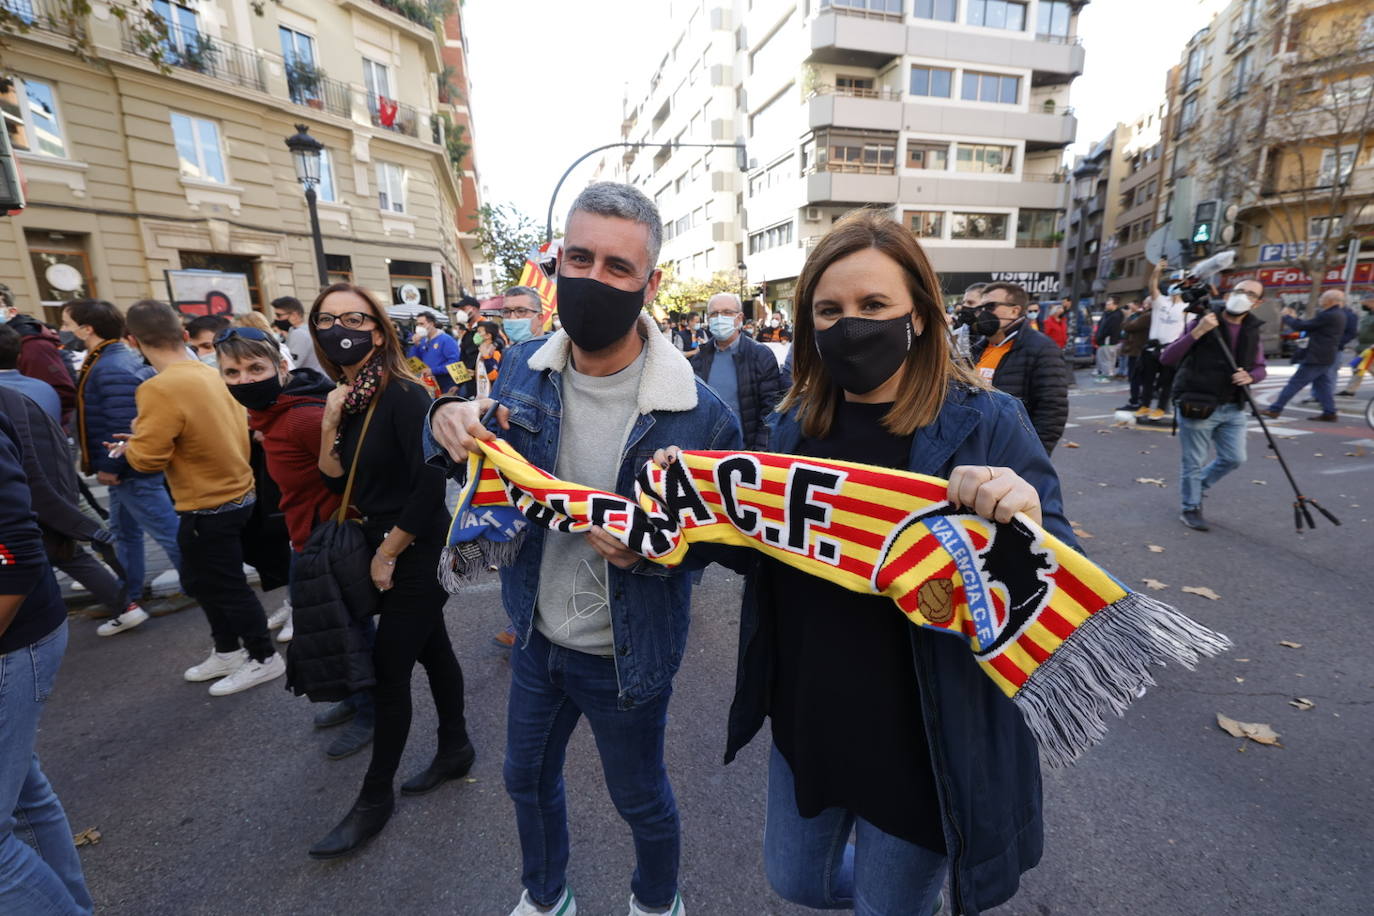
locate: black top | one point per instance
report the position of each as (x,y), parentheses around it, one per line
(846,707)
(24,568)
(394,486)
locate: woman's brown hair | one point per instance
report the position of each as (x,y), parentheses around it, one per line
(391,353)
(928,370)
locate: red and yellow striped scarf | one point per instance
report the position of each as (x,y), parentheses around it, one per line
(1063,639)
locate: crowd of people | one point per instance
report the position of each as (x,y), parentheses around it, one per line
(238,441)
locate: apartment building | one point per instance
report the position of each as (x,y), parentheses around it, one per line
(135,169)
(953,115)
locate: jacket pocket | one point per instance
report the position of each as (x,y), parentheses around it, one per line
(527,416)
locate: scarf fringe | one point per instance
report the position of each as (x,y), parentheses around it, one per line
(1103,667)
(461,564)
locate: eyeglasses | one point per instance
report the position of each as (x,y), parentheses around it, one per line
(354,321)
(725,313)
(245,333)
(518,312)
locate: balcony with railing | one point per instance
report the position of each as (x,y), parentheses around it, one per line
(308,86)
(190,49)
(393,115)
(858,92)
(44,15)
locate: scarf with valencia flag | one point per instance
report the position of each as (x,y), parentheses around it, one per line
(1064,640)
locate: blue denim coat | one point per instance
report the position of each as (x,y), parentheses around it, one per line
(986,763)
(650,605)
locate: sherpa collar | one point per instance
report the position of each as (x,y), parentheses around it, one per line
(668,382)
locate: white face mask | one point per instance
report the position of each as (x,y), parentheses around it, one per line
(1238,304)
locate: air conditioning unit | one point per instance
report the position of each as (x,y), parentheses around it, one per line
(813,214)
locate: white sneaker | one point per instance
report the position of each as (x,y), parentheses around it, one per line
(219,664)
(166,583)
(126,621)
(565,906)
(280,616)
(287,631)
(250,674)
(675,910)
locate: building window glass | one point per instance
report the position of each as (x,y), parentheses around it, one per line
(925,224)
(198,148)
(991,87)
(943,10)
(973,157)
(922,155)
(1189,112)
(931,81)
(1330,173)
(997,14)
(183,33)
(1053,19)
(1036,228)
(378,82)
(1193,72)
(31,108)
(772,237)
(325,188)
(391,187)
(339,267)
(979,226)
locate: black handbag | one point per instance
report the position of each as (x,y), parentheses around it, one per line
(1196,405)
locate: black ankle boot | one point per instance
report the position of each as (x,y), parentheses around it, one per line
(363,821)
(445,767)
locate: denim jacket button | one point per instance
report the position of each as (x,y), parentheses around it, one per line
(623,648)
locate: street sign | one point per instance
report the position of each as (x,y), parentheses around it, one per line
(1288,251)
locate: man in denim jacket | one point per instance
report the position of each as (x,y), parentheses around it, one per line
(600,632)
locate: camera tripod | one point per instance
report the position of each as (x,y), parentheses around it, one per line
(1301,512)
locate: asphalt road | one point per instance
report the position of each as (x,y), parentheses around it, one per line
(208,805)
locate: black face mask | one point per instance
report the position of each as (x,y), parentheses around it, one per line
(344,346)
(862,353)
(283,325)
(596,315)
(258,395)
(988,324)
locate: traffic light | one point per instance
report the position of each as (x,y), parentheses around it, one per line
(1204,226)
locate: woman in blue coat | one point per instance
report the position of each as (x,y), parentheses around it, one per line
(882,730)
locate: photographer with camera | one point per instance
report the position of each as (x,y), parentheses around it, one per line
(1167,318)
(1323,334)
(1209,395)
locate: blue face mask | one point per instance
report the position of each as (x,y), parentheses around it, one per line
(518,329)
(722,327)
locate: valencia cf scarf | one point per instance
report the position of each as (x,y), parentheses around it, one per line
(1067,642)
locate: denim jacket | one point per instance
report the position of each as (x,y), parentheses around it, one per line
(650,604)
(985,760)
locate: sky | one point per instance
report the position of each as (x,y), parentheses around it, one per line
(549,79)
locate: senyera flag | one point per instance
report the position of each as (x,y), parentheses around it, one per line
(1067,642)
(533,276)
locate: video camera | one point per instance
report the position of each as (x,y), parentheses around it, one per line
(1195,288)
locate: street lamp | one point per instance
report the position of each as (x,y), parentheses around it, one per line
(305,153)
(743,273)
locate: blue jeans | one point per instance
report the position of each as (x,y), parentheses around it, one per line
(550,689)
(810,861)
(1321,378)
(1225,429)
(40,872)
(141,504)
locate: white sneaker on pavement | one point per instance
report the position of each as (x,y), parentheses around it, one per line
(564,906)
(250,674)
(126,621)
(287,631)
(675,910)
(166,583)
(219,664)
(280,616)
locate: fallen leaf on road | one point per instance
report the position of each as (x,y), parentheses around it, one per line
(1242,659)
(1276,457)
(1240,680)
(1318,455)
(1103,485)
(1154,584)
(1080,533)
(1302,703)
(1202,591)
(1260,483)
(1290,645)
(1353,454)
(1155,548)
(1255,731)
(88,837)
(1070,444)
(1154,480)
(1104,432)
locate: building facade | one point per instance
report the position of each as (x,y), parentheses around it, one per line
(952,115)
(134,169)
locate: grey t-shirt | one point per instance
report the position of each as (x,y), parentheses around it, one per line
(303,348)
(574,611)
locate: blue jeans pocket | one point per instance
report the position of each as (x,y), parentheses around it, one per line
(46,656)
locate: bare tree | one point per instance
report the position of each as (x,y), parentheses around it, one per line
(1294,146)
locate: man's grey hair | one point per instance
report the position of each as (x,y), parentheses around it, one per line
(728,295)
(610,198)
(1332,295)
(974,288)
(525,291)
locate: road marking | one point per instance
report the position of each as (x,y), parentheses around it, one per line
(1357,467)
(1285,432)
(1097,416)
(1367,443)
(1070,425)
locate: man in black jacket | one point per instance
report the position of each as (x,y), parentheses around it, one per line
(742,371)
(1323,334)
(1108,338)
(1021,361)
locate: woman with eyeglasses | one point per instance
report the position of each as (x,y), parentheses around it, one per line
(880,729)
(401,500)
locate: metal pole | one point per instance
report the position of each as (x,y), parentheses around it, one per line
(1351,261)
(548,222)
(320,267)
